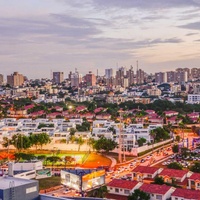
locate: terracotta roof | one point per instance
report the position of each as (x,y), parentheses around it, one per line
(116,197)
(118,183)
(154,188)
(145,169)
(173,173)
(195,176)
(188,194)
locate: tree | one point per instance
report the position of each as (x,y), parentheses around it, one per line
(20,142)
(182,127)
(104,144)
(68,159)
(159,134)
(53,159)
(41,157)
(139,195)
(178,138)
(99,192)
(72,131)
(175,165)
(195,167)
(91,143)
(6,142)
(185,151)
(80,141)
(24,156)
(175,148)
(43,139)
(141,141)
(159,180)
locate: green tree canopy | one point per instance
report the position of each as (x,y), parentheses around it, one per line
(104,144)
(175,148)
(195,167)
(139,195)
(20,142)
(159,180)
(141,141)
(175,165)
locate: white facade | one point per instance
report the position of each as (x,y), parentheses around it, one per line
(193,98)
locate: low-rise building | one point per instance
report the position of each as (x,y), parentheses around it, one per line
(157,192)
(185,194)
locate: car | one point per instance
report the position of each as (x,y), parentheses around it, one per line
(142,161)
(66,191)
(77,194)
(55,195)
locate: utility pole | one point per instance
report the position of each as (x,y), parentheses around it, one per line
(121,139)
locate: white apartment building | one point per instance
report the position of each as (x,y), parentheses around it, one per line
(193,98)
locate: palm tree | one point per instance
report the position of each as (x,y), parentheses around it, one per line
(91,143)
(80,142)
(182,127)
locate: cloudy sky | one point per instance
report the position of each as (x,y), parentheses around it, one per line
(37,36)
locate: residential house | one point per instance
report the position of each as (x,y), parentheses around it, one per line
(122,187)
(185,194)
(157,192)
(194,181)
(178,176)
(144,172)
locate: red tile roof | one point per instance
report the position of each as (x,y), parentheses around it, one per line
(145,169)
(188,194)
(154,188)
(116,197)
(173,173)
(118,183)
(195,176)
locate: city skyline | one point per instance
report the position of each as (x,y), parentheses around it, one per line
(38,37)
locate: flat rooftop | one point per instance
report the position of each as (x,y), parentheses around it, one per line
(81,171)
(8,181)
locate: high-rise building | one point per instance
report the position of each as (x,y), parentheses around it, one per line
(139,76)
(171,76)
(15,79)
(130,76)
(58,77)
(109,73)
(181,76)
(178,70)
(195,73)
(1,79)
(160,77)
(90,79)
(120,73)
(76,79)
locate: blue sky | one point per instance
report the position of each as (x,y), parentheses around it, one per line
(37,36)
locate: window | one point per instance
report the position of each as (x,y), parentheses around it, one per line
(176,198)
(117,190)
(126,192)
(159,197)
(149,176)
(152,195)
(120,189)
